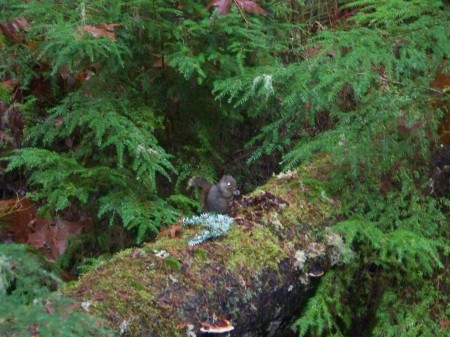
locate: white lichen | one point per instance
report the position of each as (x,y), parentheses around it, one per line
(315,250)
(339,252)
(300,259)
(276,222)
(304,279)
(190,331)
(143,148)
(162,254)
(123,326)
(324,196)
(272,219)
(216,225)
(172,278)
(266,81)
(86,305)
(288,175)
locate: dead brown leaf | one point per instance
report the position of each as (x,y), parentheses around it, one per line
(223,6)
(101,30)
(123,294)
(17,213)
(10,84)
(174,231)
(49,236)
(13,30)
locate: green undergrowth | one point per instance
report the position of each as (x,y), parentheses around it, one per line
(31,303)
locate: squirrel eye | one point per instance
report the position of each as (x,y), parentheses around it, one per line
(228,184)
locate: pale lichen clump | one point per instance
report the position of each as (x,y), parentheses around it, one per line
(316,250)
(339,253)
(303,258)
(299,259)
(216,225)
(288,175)
(273,219)
(190,331)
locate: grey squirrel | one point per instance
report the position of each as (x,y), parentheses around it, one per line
(216,198)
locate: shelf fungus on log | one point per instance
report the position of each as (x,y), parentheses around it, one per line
(219,326)
(258,275)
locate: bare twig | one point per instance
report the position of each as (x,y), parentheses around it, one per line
(242,13)
(384,79)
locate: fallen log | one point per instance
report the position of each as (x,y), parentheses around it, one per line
(250,282)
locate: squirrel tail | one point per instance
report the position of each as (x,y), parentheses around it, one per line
(204,184)
(200,182)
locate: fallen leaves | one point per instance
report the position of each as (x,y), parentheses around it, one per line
(441,83)
(10,84)
(173,231)
(106,30)
(256,207)
(16,214)
(223,6)
(49,236)
(14,29)
(123,295)
(11,119)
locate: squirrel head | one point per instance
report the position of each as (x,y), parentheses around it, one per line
(228,186)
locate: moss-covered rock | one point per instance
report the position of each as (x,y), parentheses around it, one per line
(256,275)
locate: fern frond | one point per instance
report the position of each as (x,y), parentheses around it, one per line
(139,215)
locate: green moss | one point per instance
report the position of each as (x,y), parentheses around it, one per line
(310,205)
(201,255)
(137,284)
(260,249)
(132,298)
(172,263)
(167,242)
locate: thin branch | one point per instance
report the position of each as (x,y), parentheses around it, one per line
(242,13)
(384,79)
(437,91)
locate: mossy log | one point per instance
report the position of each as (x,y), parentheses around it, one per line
(256,276)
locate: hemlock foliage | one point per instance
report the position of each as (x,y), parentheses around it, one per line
(122,101)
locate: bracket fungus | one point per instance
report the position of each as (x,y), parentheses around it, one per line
(220,326)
